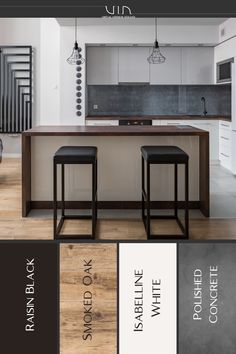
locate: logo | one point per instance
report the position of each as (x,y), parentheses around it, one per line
(118,11)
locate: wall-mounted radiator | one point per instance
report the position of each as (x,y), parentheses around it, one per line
(15,89)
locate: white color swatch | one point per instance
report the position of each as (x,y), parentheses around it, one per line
(157,334)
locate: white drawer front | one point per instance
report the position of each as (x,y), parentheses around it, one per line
(98,122)
(225,151)
(225,161)
(173,122)
(225,125)
(225,155)
(156,122)
(225,137)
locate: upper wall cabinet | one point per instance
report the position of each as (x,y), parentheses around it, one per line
(183,65)
(133,65)
(168,73)
(197,65)
(102,66)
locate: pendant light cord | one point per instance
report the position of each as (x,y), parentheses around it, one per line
(75,29)
(156,27)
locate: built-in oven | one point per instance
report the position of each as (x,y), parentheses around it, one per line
(224,71)
(135,122)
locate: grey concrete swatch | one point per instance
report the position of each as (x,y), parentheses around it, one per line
(212,334)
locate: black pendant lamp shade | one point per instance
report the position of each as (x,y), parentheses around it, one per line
(156,57)
(76,58)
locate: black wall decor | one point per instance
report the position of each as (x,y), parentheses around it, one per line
(78,85)
(15,89)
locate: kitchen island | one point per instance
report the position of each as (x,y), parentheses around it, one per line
(119,166)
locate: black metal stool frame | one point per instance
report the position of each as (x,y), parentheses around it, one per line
(58,226)
(147,202)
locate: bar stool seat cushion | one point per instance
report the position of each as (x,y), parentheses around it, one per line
(163,154)
(76,154)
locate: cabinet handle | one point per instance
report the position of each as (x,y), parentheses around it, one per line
(222,137)
(224,154)
(224,125)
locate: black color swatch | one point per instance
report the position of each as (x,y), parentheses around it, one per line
(13,298)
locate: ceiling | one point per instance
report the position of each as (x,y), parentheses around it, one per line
(142,21)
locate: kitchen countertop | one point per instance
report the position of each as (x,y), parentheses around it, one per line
(162,130)
(162,117)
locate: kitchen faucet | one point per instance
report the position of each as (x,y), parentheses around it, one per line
(204,106)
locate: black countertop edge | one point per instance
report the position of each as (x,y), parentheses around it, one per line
(161,117)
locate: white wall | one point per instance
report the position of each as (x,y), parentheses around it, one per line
(44,36)
(118,35)
(50,72)
(22,31)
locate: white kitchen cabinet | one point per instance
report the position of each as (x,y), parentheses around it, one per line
(233,132)
(233,94)
(233,149)
(212,126)
(156,122)
(133,65)
(168,73)
(197,65)
(102,122)
(183,65)
(173,122)
(102,66)
(225,144)
(225,157)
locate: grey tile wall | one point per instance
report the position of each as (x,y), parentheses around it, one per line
(158,99)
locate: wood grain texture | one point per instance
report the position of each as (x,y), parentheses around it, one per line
(104,289)
(26,174)
(13,226)
(145,130)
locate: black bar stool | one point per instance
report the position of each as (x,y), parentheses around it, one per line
(164,155)
(74,155)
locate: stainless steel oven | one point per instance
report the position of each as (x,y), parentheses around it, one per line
(135,122)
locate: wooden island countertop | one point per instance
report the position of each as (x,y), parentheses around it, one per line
(163,130)
(31,143)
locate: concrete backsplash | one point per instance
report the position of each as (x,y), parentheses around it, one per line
(158,99)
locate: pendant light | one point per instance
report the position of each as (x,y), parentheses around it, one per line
(75,55)
(156,57)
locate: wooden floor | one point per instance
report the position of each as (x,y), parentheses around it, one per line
(13,226)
